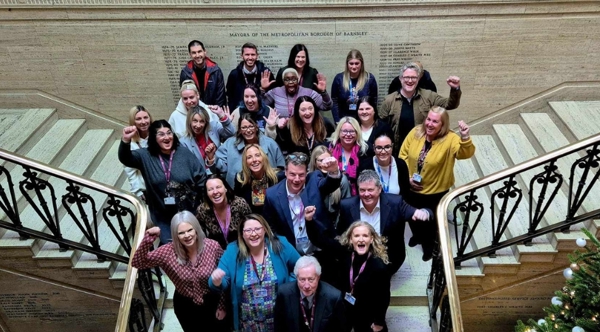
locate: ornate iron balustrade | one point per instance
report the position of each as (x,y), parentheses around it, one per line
(543,188)
(58,197)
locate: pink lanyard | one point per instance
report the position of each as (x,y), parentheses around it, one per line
(312,313)
(162,164)
(352,279)
(224,229)
(300,212)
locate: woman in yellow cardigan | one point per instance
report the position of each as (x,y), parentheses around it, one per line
(430,151)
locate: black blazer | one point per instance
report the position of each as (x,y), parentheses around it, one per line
(330,313)
(371,291)
(284,139)
(403,175)
(393,214)
(381,127)
(277,211)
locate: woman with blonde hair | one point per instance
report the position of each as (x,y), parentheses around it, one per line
(188,261)
(201,133)
(256,176)
(364,277)
(350,85)
(332,201)
(251,269)
(190,98)
(430,151)
(347,146)
(141,119)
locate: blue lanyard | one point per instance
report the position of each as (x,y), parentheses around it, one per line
(344,164)
(386,187)
(353,94)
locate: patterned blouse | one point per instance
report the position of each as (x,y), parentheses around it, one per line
(258,297)
(190,280)
(210,225)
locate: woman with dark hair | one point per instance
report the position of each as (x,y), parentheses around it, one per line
(141,119)
(349,86)
(171,174)
(305,130)
(221,212)
(253,105)
(370,125)
(251,269)
(256,176)
(201,132)
(228,158)
(188,261)
(300,61)
(392,171)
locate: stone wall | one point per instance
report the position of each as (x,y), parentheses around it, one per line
(111,55)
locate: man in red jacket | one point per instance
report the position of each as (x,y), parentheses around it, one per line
(206,73)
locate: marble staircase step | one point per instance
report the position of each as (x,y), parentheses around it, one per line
(17,126)
(581,117)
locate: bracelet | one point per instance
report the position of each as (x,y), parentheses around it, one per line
(224,118)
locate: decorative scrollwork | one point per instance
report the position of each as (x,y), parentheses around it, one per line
(507,194)
(137,317)
(120,212)
(437,284)
(89,228)
(146,287)
(587,163)
(48,214)
(473,211)
(9,205)
(445,317)
(549,178)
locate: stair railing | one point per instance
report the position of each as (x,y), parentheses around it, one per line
(444,302)
(94,209)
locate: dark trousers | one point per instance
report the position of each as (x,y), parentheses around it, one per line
(425,232)
(194,318)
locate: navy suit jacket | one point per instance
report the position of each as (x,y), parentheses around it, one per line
(277,210)
(393,214)
(329,309)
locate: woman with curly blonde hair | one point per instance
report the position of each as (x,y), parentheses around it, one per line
(364,277)
(256,176)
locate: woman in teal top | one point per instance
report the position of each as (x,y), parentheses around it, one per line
(252,268)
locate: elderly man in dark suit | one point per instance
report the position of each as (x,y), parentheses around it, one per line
(309,304)
(387,213)
(286,201)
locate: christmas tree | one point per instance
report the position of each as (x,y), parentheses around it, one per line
(575,308)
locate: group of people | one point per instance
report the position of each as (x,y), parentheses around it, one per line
(274,217)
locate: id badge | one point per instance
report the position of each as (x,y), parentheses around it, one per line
(302,240)
(350,298)
(417,178)
(169,200)
(352,107)
(260,292)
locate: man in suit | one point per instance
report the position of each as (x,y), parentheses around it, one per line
(309,304)
(387,213)
(286,201)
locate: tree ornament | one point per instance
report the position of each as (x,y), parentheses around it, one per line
(541,322)
(568,273)
(577,329)
(580,242)
(556,301)
(574,267)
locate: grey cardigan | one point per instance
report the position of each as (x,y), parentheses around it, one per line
(228,159)
(219,131)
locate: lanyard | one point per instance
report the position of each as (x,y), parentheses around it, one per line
(353,93)
(246,79)
(291,106)
(344,164)
(224,229)
(312,313)
(423,155)
(162,164)
(264,270)
(362,267)
(300,211)
(386,186)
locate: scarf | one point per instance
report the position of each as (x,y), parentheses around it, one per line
(351,163)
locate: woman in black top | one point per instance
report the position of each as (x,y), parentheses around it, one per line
(370,125)
(299,60)
(392,171)
(256,176)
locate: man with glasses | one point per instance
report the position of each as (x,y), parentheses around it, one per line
(387,214)
(287,202)
(406,108)
(309,304)
(206,74)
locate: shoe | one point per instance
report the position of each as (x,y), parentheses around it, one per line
(427,254)
(413,242)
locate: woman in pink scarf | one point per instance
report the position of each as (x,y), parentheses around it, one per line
(347,146)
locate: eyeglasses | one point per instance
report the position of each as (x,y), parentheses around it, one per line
(256,230)
(247,128)
(410,78)
(301,157)
(163,134)
(348,132)
(380,148)
(290,80)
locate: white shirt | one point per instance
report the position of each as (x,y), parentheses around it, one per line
(303,244)
(371,218)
